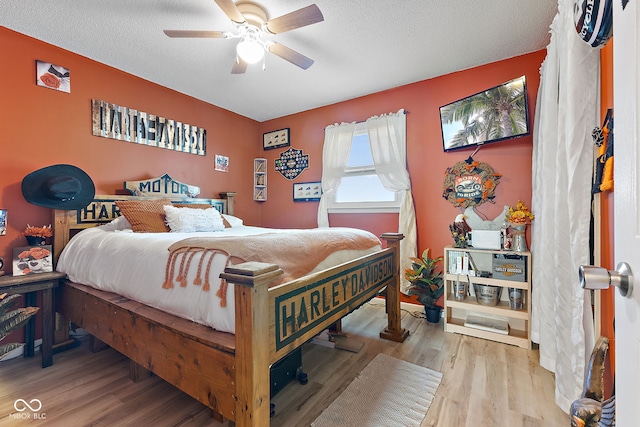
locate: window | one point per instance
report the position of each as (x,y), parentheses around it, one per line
(360,189)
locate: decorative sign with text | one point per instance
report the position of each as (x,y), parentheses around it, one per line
(126,124)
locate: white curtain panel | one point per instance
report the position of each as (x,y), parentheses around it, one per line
(388,140)
(335,157)
(566,113)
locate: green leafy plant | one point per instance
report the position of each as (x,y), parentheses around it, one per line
(426,282)
(12,319)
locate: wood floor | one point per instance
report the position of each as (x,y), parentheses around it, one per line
(484,384)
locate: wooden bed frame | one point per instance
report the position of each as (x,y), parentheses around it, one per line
(228,373)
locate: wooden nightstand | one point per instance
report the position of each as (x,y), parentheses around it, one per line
(30,285)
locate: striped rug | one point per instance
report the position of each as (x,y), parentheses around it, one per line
(388,392)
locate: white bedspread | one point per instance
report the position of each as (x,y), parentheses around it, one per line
(133,265)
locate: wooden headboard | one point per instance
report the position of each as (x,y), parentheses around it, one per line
(103,209)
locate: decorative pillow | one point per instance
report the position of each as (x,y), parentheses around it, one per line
(233,221)
(201,206)
(145,216)
(188,220)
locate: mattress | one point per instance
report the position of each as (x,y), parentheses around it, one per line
(115,259)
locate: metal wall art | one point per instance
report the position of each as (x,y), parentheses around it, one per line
(291,163)
(126,124)
(470,183)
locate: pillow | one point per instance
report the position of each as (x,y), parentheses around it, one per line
(188,220)
(117,224)
(233,221)
(201,206)
(145,216)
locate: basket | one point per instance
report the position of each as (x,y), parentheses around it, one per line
(487,294)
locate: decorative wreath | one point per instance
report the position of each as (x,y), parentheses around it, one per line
(470,183)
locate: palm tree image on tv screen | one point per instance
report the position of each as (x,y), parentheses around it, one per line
(492,115)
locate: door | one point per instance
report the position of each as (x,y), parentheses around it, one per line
(626,83)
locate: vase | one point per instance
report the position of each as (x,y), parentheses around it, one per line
(36,240)
(519,242)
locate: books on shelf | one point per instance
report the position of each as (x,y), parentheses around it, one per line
(461,262)
(495,324)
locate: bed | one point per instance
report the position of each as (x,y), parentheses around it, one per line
(223,365)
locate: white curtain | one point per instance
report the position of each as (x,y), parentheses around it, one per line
(335,156)
(566,113)
(388,140)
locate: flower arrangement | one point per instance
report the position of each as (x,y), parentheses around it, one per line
(520,215)
(42,232)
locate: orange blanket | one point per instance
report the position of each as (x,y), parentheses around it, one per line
(296,252)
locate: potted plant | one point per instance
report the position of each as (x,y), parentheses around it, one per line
(11,320)
(426,283)
(37,235)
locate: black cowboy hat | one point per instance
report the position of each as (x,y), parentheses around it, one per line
(59,187)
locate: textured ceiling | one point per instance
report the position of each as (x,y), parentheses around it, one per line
(363,46)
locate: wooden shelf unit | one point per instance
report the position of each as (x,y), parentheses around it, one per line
(456,311)
(260,179)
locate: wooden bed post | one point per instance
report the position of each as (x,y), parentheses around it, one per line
(252,334)
(394,330)
(229,196)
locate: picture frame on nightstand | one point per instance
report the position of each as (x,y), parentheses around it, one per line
(32,260)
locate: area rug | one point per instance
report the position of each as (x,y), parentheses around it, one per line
(388,392)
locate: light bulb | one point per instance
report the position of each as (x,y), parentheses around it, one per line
(250,51)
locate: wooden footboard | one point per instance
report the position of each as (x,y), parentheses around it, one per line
(230,373)
(272,322)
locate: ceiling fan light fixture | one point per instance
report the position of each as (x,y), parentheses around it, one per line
(250,51)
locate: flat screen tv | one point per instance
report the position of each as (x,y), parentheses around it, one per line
(495,114)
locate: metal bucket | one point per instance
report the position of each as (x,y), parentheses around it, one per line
(487,294)
(459,290)
(515,299)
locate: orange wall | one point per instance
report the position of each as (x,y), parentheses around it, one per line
(40,127)
(426,160)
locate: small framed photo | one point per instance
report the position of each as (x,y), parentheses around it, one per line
(3,222)
(307,191)
(32,260)
(222,163)
(276,139)
(53,76)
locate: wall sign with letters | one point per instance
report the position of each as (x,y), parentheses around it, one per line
(126,124)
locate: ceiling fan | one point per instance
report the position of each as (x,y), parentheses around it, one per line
(252,23)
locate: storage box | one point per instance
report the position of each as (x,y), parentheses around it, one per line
(509,267)
(486,239)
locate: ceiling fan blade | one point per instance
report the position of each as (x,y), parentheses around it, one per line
(296,19)
(239,66)
(290,55)
(231,10)
(195,33)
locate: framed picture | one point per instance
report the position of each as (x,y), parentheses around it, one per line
(32,260)
(222,163)
(3,222)
(495,114)
(276,139)
(53,76)
(307,191)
